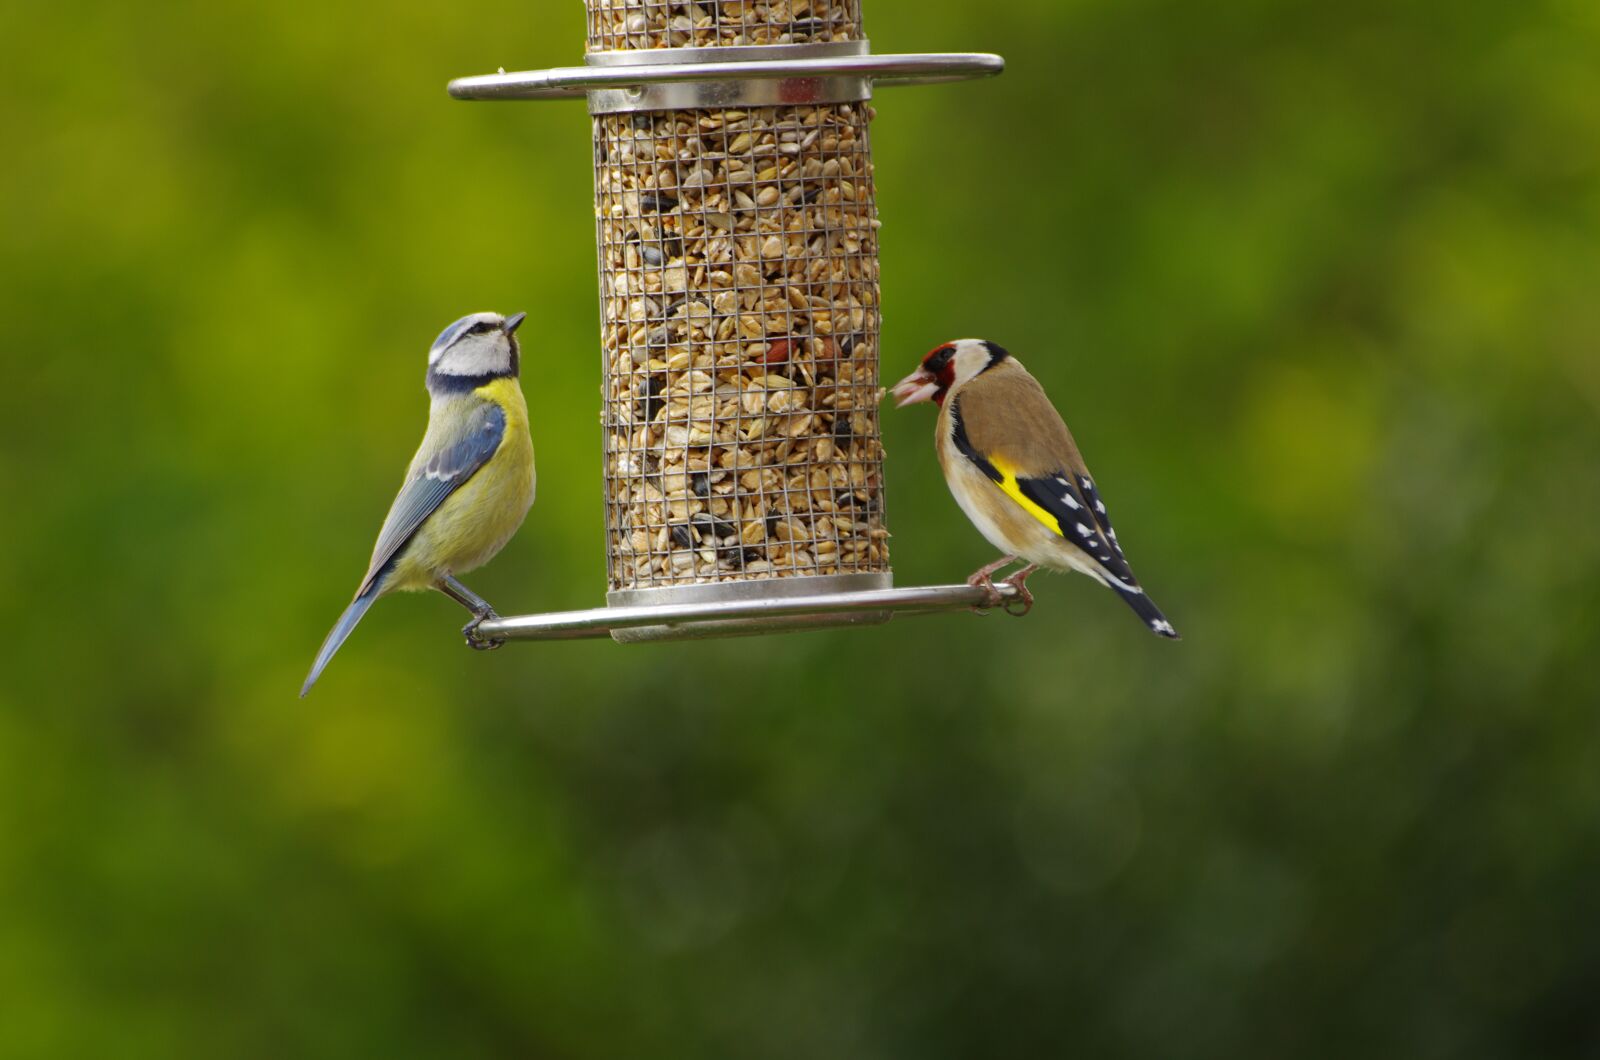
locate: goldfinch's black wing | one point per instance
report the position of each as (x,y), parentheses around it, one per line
(1075,511)
(1079,515)
(455,459)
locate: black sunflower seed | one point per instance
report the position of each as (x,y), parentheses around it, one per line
(651,402)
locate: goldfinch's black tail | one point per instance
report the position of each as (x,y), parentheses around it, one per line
(1146,609)
(341,629)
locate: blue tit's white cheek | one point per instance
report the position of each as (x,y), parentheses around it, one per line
(486,353)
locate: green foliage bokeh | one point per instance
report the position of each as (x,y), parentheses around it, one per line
(1315,286)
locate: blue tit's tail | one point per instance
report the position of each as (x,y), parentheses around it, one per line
(341,629)
(1146,609)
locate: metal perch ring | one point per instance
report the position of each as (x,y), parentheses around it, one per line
(617,82)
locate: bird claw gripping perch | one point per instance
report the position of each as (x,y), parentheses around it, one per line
(470,631)
(481,613)
(983,578)
(1022,603)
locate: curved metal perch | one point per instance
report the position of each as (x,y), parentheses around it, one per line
(731,618)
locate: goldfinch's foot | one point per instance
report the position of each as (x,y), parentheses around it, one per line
(1022,603)
(991,595)
(470,631)
(983,578)
(980,578)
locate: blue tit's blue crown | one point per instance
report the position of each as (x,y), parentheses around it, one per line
(456,330)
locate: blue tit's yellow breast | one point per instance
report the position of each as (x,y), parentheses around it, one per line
(475,522)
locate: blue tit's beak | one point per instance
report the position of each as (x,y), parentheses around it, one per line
(514,322)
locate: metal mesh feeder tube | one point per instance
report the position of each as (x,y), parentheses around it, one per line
(740,327)
(737,235)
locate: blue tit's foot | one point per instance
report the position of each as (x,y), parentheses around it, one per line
(983,578)
(475,641)
(1022,603)
(481,612)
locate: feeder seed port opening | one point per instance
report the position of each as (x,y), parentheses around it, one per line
(736,228)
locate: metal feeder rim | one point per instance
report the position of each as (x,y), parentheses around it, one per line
(732,53)
(750,589)
(575,82)
(601,621)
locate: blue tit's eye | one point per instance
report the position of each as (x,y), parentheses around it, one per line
(480,328)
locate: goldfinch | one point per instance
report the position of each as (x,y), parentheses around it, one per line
(469,486)
(1015,470)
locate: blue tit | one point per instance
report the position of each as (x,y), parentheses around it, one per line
(1015,471)
(469,486)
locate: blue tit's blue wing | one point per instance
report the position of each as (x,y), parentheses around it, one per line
(457,457)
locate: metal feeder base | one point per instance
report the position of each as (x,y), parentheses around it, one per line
(742,609)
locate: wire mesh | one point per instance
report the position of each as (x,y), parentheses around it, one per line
(739,317)
(617,25)
(739,285)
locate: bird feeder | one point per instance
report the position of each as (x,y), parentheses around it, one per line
(737,230)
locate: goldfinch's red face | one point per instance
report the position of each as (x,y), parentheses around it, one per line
(947,366)
(931,381)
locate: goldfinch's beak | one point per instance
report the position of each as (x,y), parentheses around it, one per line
(514,322)
(917,387)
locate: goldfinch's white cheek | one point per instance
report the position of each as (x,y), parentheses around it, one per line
(971,358)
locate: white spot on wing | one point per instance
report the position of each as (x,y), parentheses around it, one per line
(1100,506)
(1069,501)
(1084,531)
(1161,625)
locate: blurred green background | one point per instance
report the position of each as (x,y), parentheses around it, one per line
(1316,286)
